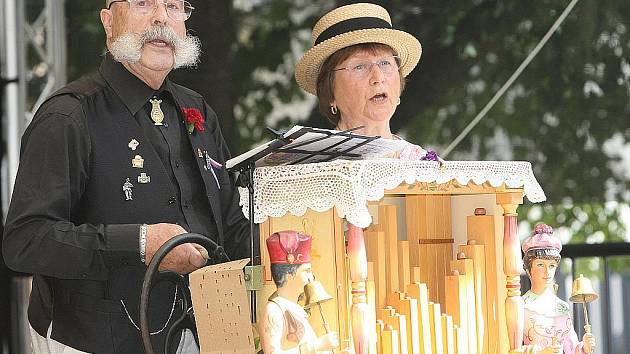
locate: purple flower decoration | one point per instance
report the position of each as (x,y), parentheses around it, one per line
(430,156)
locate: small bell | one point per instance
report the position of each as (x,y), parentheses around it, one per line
(316,294)
(583,291)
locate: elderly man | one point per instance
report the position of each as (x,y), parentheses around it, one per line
(112,166)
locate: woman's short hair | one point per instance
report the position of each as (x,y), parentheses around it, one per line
(326,79)
(540,253)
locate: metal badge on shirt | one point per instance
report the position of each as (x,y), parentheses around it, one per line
(137,162)
(144,178)
(133,144)
(127,188)
(156,112)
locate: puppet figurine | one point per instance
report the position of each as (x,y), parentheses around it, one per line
(548,323)
(284,324)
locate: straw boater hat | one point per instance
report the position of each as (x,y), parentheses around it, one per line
(349,25)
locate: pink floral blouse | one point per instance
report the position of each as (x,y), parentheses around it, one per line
(547,322)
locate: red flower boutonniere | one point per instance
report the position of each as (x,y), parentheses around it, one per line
(194,119)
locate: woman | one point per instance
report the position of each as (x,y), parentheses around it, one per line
(357,68)
(548,323)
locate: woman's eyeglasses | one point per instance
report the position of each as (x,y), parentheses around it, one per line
(361,69)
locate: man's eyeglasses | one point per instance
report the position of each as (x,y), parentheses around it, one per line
(177,10)
(361,69)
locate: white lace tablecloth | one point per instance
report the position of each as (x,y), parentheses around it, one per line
(349,185)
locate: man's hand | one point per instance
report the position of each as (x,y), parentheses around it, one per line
(182,259)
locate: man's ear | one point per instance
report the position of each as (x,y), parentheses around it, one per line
(106,20)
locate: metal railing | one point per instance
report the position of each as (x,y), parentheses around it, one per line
(600,257)
(603,315)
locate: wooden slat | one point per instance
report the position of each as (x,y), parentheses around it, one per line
(420,293)
(487,230)
(399,323)
(412,214)
(465,268)
(389,225)
(380,327)
(448,342)
(375,246)
(409,308)
(456,300)
(389,341)
(435,319)
(443,217)
(432,272)
(476,253)
(415,275)
(461,343)
(444,255)
(404,268)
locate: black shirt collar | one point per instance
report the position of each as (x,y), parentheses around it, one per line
(132,91)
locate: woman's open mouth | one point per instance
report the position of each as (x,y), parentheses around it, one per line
(380,97)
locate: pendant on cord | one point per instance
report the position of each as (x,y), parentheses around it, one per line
(156,112)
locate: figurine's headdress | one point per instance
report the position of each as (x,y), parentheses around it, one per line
(543,238)
(289,247)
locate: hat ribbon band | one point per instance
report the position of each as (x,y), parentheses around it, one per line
(353,24)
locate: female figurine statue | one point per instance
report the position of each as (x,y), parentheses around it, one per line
(548,323)
(284,325)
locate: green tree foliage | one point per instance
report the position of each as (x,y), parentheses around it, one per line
(559,114)
(568,113)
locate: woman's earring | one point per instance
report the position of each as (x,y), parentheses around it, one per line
(333,110)
(397,104)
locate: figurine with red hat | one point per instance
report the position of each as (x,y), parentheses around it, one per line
(284,324)
(548,324)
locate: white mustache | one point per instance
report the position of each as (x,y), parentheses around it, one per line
(128,47)
(165,34)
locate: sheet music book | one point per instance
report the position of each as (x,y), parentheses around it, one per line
(309,145)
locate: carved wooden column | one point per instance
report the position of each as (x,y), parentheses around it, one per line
(512,266)
(357,264)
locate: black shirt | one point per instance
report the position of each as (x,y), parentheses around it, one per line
(71,225)
(47,191)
